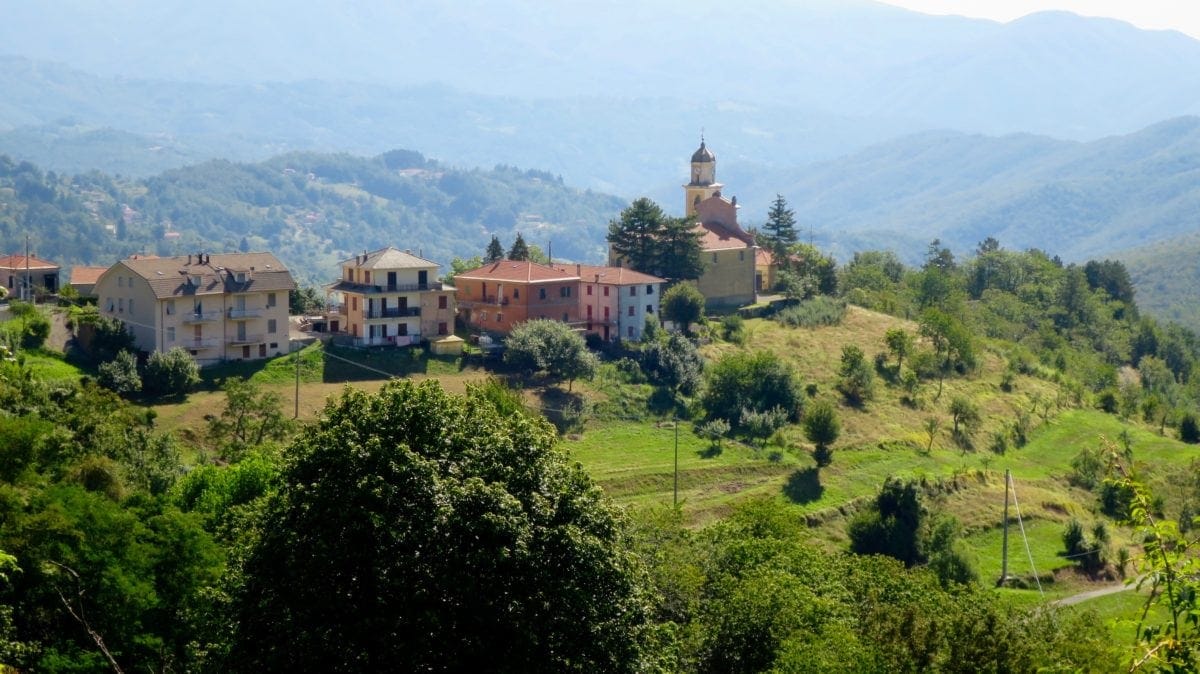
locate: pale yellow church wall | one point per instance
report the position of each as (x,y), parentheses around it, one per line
(728,278)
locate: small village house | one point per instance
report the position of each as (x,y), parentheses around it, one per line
(391,297)
(24,276)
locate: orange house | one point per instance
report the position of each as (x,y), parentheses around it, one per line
(500,295)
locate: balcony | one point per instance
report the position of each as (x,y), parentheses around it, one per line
(197,344)
(244,314)
(246,339)
(200,317)
(394,340)
(489,301)
(365,289)
(395,312)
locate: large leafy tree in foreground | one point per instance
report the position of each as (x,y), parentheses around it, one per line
(420,530)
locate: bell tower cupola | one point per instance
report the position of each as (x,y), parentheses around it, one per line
(704,179)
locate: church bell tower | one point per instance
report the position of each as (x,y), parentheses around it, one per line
(704,179)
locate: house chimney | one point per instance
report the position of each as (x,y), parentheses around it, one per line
(579,270)
(189,258)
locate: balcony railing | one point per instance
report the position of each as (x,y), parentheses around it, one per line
(246,339)
(490,300)
(394,340)
(200,316)
(244,314)
(367,289)
(197,344)
(395,312)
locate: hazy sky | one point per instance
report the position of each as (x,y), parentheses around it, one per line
(1181,15)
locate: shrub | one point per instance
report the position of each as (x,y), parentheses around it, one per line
(857,381)
(762,425)
(814,313)
(733,329)
(543,345)
(758,381)
(170,373)
(683,305)
(713,431)
(822,428)
(1189,428)
(120,375)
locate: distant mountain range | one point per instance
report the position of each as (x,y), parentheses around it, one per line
(611,96)
(1078,200)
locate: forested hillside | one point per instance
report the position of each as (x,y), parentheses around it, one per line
(1080,200)
(310,210)
(1167,276)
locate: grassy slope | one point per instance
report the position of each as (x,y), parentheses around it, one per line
(634,461)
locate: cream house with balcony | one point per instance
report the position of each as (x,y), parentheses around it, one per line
(217,307)
(391,297)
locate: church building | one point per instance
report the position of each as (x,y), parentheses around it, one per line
(729,252)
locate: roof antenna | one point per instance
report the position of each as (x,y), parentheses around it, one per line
(701,135)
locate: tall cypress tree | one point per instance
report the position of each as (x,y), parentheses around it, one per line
(495,252)
(519,250)
(779,231)
(679,250)
(636,233)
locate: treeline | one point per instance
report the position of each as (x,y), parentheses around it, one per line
(309,209)
(1076,324)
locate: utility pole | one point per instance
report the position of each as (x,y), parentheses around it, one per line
(296,413)
(1004,547)
(27,294)
(675,500)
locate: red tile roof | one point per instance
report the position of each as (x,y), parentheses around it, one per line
(18,262)
(518,272)
(86,275)
(715,236)
(609,275)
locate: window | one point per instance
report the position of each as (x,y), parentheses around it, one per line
(170,307)
(120,281)
(714,258)
(589,312)
(401,330)
(589,291)
(274,345)
(499,317)
(241,277)
(649,290)
(741,255)
(109,305)
(649,308)
(270,300)
(541,293)
(606,313)
(516,293)
(354,303)
(367,277)
(121,304)
(131,305)
(564,291)
(629,331)
(566,317)
(442,302)
(245,352)
(482,316)
(631,309)
(606,291)
(633,291)
(271,325)
(442,328)
(171,333)
(350,275)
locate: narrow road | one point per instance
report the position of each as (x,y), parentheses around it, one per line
(1093,594)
